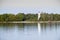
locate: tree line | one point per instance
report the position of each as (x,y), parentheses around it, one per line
(18,17)
(29,17)
(49,17)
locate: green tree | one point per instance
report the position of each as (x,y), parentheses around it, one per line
(11,17)
(5,17)
(20,17)
(31,17)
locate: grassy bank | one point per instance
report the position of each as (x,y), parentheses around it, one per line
(31,22)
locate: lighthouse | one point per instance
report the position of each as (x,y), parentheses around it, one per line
(38,15)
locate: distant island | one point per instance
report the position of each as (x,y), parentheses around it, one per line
(29,17)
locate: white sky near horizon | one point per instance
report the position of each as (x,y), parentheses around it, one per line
(29,6)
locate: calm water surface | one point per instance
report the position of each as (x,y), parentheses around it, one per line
(30,31)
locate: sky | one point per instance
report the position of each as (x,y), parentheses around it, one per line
(29,6)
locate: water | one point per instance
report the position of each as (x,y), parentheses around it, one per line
(30,31)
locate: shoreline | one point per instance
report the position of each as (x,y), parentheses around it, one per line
(31,22)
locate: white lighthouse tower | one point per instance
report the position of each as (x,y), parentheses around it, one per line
(38,15)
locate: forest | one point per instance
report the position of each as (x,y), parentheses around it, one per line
(29,17)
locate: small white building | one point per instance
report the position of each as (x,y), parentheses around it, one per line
(38,16)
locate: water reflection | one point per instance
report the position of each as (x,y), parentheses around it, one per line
(50,26)
(30,28)
(39,28)
(30,31)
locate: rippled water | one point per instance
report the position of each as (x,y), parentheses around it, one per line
(30,31)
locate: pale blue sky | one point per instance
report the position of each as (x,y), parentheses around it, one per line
(29,6)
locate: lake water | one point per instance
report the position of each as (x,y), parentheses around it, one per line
(30,31)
